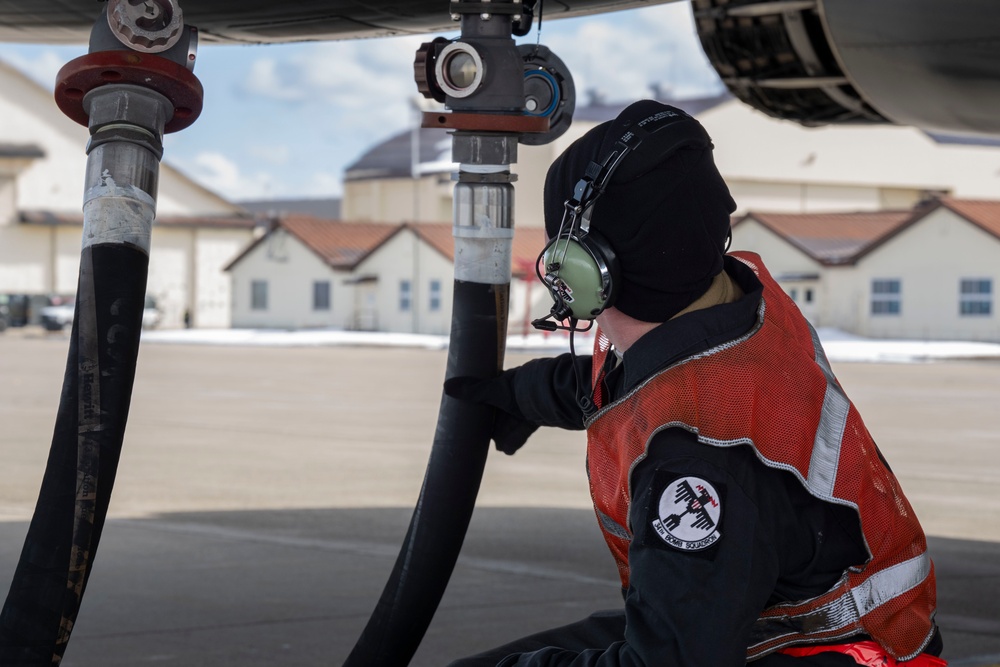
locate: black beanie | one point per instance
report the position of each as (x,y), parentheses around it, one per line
(665,212)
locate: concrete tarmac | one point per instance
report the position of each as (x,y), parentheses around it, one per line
(263,494)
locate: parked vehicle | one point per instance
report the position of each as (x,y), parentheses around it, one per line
(23,308)
(54,318)
(4,311)
(57,317)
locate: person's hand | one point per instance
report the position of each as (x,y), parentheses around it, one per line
(510,428)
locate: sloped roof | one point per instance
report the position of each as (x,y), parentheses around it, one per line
(392,158)
(340,245)
(438,235)
(177,192)
(834,238)
(8,150)
(344,245)
(528,242)
(598,110)
(983,213)
(328,208)
(844,238)
(963,140)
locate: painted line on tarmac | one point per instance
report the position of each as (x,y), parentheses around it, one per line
(969,624)
(992,660)
(362,548)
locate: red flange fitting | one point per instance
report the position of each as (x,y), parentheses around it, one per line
(481,122)
(175,82)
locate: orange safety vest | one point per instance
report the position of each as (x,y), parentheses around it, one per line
(773,389)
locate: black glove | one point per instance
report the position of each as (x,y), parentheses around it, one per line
(510,428)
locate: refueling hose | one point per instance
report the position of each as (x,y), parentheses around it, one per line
(451,484)
(123,159)
(55,563)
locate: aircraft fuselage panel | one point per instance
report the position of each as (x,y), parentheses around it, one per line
(259,21)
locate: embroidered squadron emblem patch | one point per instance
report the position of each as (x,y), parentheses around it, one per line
(689,512)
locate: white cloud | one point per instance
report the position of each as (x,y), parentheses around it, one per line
(357,91)
(218,167)
(322,184)
(272,154)
(265,79)
(352,74)
(622,57)
(221,174)
(237,182)
(42,67)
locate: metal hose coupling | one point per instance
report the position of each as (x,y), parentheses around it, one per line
(484,207)
(126,125)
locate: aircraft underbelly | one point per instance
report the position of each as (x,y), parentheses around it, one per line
(255,21)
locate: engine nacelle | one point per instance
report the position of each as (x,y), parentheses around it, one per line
(928,63)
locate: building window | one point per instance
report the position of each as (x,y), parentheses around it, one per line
(975,297)
(258,294)
(809,295)
(321,295)
(405,295)
(794,293)
(886,296)
(435,296)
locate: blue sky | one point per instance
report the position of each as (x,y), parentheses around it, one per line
(284,120)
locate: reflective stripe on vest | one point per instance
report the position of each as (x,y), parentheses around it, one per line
(830,432)
(765,390)
(841,616)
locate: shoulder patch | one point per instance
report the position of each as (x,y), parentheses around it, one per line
(688,514)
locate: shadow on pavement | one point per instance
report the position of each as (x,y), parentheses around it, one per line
(296,587)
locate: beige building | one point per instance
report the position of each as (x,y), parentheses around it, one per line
(926,273)
(307,272)
(769,164)
(42,164)
(399,277)
(841,205)
(407,177)
(774,165)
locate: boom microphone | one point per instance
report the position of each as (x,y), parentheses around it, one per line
(543,324)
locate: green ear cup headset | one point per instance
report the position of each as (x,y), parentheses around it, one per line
(581,268)
(587,262)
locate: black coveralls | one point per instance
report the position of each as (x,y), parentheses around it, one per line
(691,609)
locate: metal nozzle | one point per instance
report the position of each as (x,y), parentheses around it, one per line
(150,26)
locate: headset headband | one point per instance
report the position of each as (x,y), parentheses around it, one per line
(598,174)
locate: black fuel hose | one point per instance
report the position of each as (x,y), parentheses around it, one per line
(58,555)
(451,484)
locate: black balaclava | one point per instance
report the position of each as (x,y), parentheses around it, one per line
(665,212)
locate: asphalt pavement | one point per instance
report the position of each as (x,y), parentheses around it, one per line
(263,494)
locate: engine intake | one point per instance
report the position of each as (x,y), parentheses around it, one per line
(775,56)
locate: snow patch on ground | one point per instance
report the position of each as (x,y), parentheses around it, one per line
(839,345)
